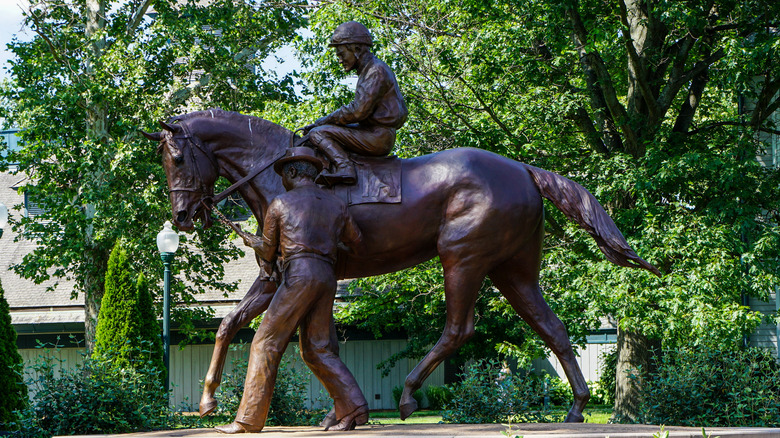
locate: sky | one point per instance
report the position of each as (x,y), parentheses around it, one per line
(10,25)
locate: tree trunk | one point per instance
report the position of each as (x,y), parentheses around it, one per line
(93,295)
(635,352)
(93,280)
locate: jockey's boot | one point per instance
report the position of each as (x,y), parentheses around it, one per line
(344,172)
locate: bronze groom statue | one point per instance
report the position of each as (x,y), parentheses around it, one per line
(303,227)
(368,124)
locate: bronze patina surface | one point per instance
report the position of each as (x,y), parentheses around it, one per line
(367,125)
(481,213)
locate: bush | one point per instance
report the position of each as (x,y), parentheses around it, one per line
(437,396)
(14,391)
(599,395)
(399,390)
(288,404)
(95,397)
(706,387)
(486,395)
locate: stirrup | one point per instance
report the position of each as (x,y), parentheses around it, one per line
(342,175)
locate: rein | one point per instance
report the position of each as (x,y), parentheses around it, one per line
(209,200)
(253,173)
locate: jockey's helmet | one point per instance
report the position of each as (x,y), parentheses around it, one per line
(351,32)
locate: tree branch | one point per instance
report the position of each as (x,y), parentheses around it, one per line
(764,105)
(718,124)
(637,67)
(595,69)
(406,21)
(688,109)
(490,111)
(52,48)
(137,17)
(585,123)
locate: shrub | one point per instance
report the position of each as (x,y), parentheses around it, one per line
(486,395)
(437,396)
(127,323)
(706,387)
(599,395)
(144,326)
(399,390)
(559,391)
(14,392)
(288,404)
(95,397)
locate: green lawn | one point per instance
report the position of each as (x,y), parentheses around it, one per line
(391,417)
(595,414)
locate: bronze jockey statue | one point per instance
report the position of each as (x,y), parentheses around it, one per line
(303,227)
(368,124)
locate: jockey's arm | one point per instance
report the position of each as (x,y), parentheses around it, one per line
(367,94)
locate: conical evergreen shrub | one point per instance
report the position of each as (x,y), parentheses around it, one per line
(14,391)
(117,309)
(144,330)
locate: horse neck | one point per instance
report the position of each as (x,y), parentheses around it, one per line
(240,144)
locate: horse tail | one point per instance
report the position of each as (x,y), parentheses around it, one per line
(580,206)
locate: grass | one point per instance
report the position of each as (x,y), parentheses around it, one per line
(593,414)
(392,417)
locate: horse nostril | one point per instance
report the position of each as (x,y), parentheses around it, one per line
(181,217)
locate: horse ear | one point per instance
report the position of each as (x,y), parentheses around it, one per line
(156,136)
(167,127)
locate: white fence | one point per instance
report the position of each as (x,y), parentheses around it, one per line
(189,366)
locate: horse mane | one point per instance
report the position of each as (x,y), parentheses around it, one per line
(258,125)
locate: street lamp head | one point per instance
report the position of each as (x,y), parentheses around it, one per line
(167,239)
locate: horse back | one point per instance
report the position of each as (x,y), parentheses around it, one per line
(457,195)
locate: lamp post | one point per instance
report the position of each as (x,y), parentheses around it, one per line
(3,217)
(167,244)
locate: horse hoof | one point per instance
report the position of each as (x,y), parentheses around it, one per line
(330,420)
(356,418)
(406,409)
(207,406)
(236,427)
(574,417)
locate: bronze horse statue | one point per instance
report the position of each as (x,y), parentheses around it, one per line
(481,213)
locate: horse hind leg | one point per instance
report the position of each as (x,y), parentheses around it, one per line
(253,304)
(521,288)
(461,285)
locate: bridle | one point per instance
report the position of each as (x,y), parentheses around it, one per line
(208,200)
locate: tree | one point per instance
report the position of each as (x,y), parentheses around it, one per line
(94,73)
(127,325)
(638,101)
(11,368)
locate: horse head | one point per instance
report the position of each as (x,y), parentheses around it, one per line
(191,170)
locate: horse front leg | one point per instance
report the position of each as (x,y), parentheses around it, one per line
(254,303)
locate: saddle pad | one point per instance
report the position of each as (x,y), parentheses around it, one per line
(378,181)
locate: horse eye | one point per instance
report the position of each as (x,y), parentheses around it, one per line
(178,159)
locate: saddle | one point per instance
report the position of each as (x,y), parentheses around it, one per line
(378,178)
(378,181)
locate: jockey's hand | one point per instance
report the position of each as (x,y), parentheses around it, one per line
(319,122)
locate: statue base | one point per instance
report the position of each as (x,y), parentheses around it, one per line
(527,430)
